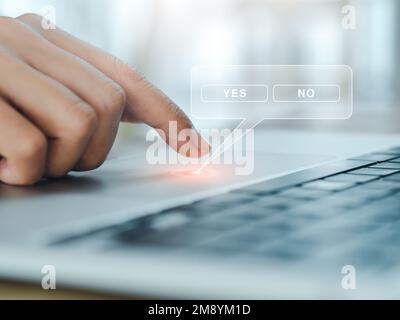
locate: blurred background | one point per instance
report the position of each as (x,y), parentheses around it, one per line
(164,38)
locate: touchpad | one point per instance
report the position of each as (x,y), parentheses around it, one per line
(130,186)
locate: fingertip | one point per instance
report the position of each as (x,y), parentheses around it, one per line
(9,176)
(6,175)
(196,147)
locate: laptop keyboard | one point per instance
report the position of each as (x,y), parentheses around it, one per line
(312,212)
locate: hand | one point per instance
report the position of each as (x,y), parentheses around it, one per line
(61,101)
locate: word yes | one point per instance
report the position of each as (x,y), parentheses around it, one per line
(235,93)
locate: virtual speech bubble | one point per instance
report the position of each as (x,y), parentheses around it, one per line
(253,93)
(258,92)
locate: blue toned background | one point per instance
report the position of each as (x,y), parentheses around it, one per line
(165,38)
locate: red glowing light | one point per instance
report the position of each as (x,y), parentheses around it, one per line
(194,173)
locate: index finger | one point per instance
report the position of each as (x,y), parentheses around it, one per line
(145,103)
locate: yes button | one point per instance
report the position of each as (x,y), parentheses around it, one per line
(234,93)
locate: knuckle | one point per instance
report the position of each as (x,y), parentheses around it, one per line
(32,147)
(84,120)
(118,64)
(122,70)
(90,162)
(31,153)
(115,99)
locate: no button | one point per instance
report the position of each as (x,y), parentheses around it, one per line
(306,93)
(234,93)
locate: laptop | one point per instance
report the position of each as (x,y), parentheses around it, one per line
(318,209)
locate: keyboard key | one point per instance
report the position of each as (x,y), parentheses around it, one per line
(328,185)
(344,177)
(242,241)
(313,212)
(217,223)
(248,213)
(381,212)
(288,250)
(363,192)
(186,236)
(303,194)
(341,201)
(282,224)
(279,203)
(378,157)
(390,235)
(169,220)
(197,211)
(212,206)
(226,200)
(394,178)
(387,165)
(386,216)
(219,249)
(383,185)
(347,226)
(390,202)
(373,172)
(131,235)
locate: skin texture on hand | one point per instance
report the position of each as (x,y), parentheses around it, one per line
(61,102)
